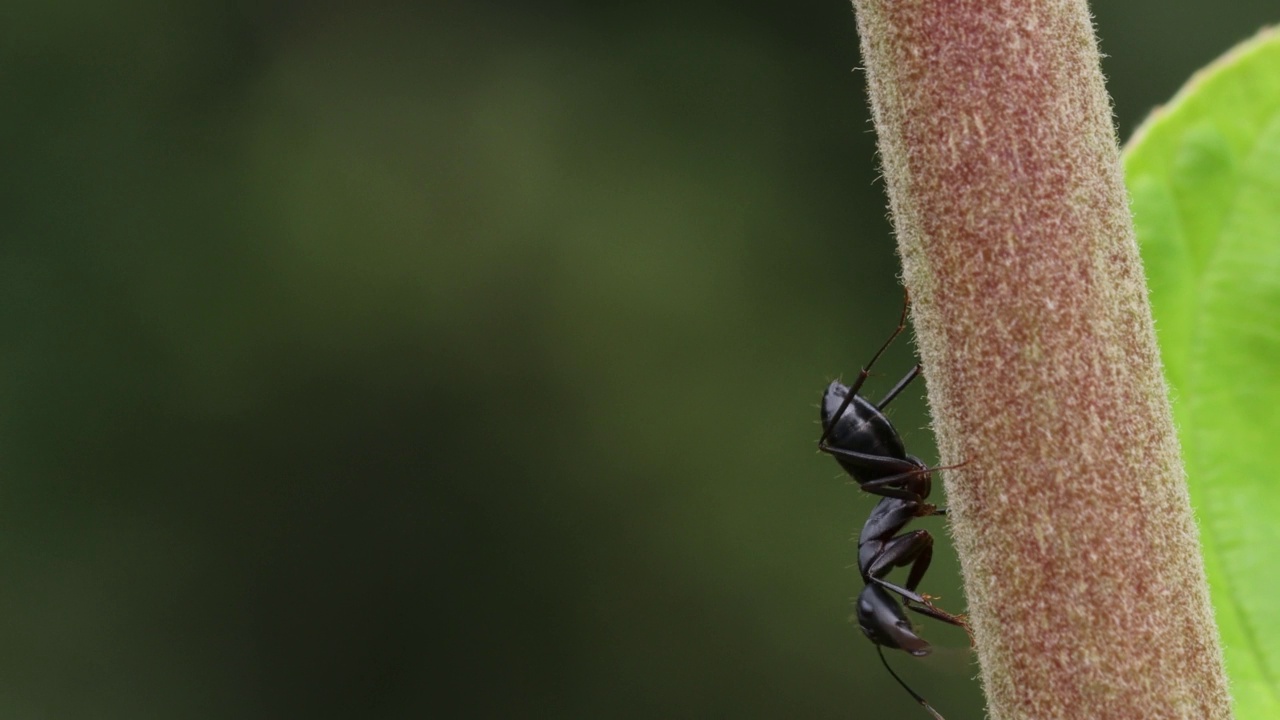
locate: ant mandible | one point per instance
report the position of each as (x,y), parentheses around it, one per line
(867,446)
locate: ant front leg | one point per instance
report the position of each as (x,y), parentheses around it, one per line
(914,549)
(946,617)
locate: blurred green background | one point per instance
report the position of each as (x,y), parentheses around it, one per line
(399,360)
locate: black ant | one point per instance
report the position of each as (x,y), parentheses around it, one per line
(868,447)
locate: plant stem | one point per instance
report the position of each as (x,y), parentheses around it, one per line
(1080,554)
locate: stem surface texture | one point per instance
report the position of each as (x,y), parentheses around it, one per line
(1080,553)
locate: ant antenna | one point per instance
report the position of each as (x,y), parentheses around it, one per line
(913,693)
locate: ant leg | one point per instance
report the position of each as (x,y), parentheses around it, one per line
(877,463)
(907,595)
(929,609)
(914,548)
(923,558)
(897,493)
(896,483)
(886,463)
(899,472)
(902,385)
(946,617)
(866,370)
(922,606)
(871,485)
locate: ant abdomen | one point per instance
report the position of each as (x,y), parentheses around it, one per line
(860,427)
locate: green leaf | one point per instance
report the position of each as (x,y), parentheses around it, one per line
(1204,178)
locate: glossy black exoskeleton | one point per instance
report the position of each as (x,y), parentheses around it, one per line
(863,440)
(868,447)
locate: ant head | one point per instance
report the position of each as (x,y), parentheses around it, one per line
(883,621)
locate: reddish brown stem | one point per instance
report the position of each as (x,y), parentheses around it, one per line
(1082,566)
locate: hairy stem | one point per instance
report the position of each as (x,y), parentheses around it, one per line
(1080,554)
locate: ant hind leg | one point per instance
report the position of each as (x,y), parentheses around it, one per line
(866,370)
